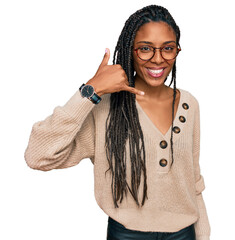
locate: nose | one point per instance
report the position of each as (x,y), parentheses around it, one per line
(157,57)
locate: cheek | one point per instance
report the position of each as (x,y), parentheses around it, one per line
(171,65)
(137,65)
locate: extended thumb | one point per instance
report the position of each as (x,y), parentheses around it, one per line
(106,56)
(106,51)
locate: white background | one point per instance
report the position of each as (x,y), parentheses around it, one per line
(47,50)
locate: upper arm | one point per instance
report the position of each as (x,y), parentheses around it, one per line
(199,180)
(64,138)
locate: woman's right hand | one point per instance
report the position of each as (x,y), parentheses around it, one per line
(111,78)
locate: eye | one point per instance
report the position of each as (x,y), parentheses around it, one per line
(168,48)
(145,49)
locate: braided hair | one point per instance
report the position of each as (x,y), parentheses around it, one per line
(123,120)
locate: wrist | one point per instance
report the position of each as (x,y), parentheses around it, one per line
(96,88)
(88,91)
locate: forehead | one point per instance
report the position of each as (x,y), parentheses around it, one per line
(155,32)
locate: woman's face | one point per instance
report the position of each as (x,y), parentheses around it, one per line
(156,33)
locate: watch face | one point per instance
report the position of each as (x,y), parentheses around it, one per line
(87,91)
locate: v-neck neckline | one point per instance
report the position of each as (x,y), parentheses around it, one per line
(178,111)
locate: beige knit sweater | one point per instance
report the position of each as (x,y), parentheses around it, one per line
(76,131)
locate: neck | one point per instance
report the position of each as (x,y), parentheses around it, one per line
(157,93)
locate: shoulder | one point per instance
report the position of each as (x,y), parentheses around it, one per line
(192,99)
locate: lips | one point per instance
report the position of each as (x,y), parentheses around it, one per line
(155,68)
(155,72)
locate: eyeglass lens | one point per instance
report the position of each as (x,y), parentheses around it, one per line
(167,52)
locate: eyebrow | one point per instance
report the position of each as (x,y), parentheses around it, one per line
(152,43)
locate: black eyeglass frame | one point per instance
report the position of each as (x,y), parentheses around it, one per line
(154,51)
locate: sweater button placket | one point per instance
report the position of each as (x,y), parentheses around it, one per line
(164,152)
(163,160)
(182,118)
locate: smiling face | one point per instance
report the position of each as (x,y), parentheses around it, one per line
(156,34)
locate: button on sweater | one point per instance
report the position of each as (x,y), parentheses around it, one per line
(76,131)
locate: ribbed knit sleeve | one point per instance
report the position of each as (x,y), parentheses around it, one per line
(202,226)
(64,138)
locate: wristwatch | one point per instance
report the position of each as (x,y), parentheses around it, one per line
(88,91)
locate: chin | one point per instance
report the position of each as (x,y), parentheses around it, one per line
(155,82)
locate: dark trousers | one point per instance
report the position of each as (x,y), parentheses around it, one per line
(116,231)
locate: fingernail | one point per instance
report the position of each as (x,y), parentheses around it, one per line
(106,50)
(141,93)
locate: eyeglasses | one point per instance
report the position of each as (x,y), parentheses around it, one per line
(168,52)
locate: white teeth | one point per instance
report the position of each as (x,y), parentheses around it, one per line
(155,71)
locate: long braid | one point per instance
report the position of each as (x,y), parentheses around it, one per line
(123,120)
(173,106)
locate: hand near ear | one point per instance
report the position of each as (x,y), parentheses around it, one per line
(111,78)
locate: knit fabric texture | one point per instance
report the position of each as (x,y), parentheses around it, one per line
(76,131)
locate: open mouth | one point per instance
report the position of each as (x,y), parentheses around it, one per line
(155,72)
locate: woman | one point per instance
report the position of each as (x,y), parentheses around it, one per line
(145,146)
